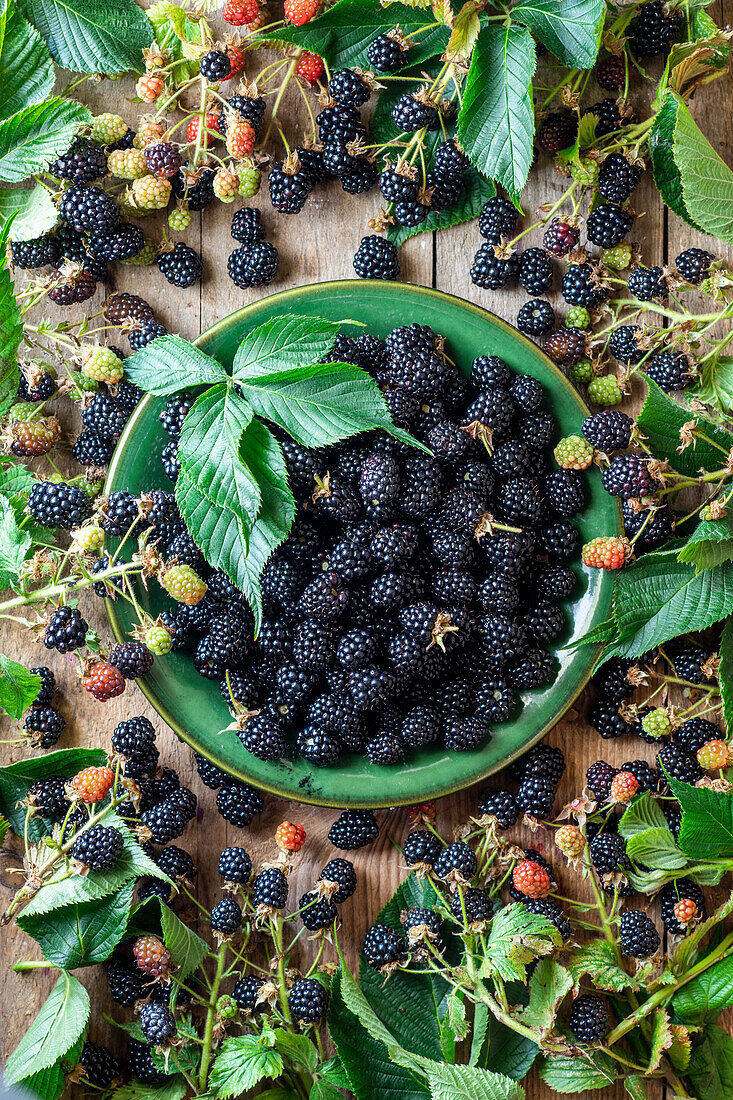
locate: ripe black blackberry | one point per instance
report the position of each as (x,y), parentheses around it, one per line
(99,847)
(376,258)
(105,415)
(554,582)
(48,685)
(445,190)
(498,218)
(125,984)
(215,66)
(270,888)
(421,846)
(694,733)
(119,513)
(247,227)
(608,115)
(81,163)
(425,926)
(132,659)
(581,286)
(557,131)
(145,333)
(648,283)
(449,159)
(194,186)
(638,935)
(536,317)
(410,114)
(528,392)
(226,917)
(694,265)
(42,387)
(502,805)
(238,803)
(383,947)
(646,776)
(308,1000)
(551,911)
(316,912)
(543,760)
(339,879)
(44,726)
(209,774)
(628,476)
(612,681)
(608,225)
(385,54)
(608,853)
(622,343)
(671,370)
(675,763)
(118,243)
(157,1023)
(165,822)
(490,272)
(176,863)
(588,1020)
(565,493)
(48,796)
(353,829)
(78,286)
(182,266)
(246,993)
(617,178)
(53,504)
(656,526)
(457,857)
(535,270)
(471,905)
(559,541)
(674,892)
(88,209)
(495,699)
(100,1066)
(39,252)
(652,32)
(176,408)
(66,630)
(348,88)
(536,795)
(604,717)
(140,1064)
(248,108)
(289,190)
(317,746)
(339,125)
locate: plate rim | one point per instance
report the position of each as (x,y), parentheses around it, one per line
(121,635)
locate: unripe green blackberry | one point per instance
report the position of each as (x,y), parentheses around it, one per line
(226,1007)
(179,219)
(158,640)
(657,724)
(584,171)
(183,584)
(581,372)
(577,317)
(249,181)
(102,365)
(108,128)
(573,453)
(605,391)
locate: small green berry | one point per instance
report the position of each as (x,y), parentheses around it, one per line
(249,181)
(226,1006)
(711,288)
(145,256)
(87,385)
(577,317)
(90,489)
(605,391)
(657,724)
(619,257)
(102,365)
(21,412)
(584,171)
(179,219)
(158,640)
(581,372)
(573,453)
(107,128)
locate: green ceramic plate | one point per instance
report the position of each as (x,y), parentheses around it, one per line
(193,705)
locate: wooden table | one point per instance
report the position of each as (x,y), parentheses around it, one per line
(319,245)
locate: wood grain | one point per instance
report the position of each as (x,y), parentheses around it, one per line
(317,245)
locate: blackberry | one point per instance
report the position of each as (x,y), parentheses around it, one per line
(628,476)
(140,1064)
(339,125)
(599,777)
(386,54)
(673,814)
(608,116)
(81,163)
(121,242)
(120,513)
(423,925)
(249,109)
(376,258)
(88,209)
(316,912)
(608,225)
(588,1020)
(671,370)
(445,191)
(176,863)
(491,273)
(98,848)
(92,449)
(543,760)
(502,805)
(498,218)
(536,795)
(604,717)
(471,905)
(141,763)
(617,178)
(44,726)
(648,283)
(270,888)
(54,504)
(246,993)
(652,32)
(638,936)
(308,1000)
(535,668)
(157,1023)
(42,387)
(162,159)
(247,227)
(101,1067)
(238,803)
(420,726)
(143,335)
(125,985)
(674,892)
(215,66)
(656,526)
(564,492)
(693,265)
(456,858)
(127,395)
(154,888)
(608,431)
(353,829)
(342,874)
(557,132)
(182,266)
(47,688)
(226,917)
(66,630)
(612,682)
(39,252)
(535,270)
(421,846)
(348,88)
(289,190)
(645,775)
(694,733)
(560,237)
(581,286)
(565,346)
(209,774)
(133,659)
(105,415)
(194,186)
(554,582)
(318,746)
(410,114)
(559,541)
(48,796)
(173,415)
(608,853)
(536,317)
(495,700)
(610,73)
(383,948)
(551,911)
(164,821)
(675,763)
(76,287)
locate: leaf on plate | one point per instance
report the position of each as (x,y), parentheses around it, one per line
(170,364)
(291,340)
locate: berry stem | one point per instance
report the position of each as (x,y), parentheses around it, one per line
(210,1015)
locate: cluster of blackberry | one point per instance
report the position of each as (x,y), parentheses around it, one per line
(44,724)
(103,418)
(395,616)
(539,773)
(255,262)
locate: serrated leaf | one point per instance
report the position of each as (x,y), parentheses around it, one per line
(83,934)
(466,26)
(11,333)
(710,544)
(292,340)
(14,544)
(242,1062)
(635,1087)
(320,1090)
(643,813)
(54,1031)
(707,821)
(18,687)
(15,779)
(590,1069)
(187,949)
(342,34)
(496,121)
(547,986)
(681,1048)
(569,30)
(476,191)
(178,35)
(170,364)
(710,1072)
(498,1047)
(88,37)
(707,181)
(702,1000)
(470,1083)
(296,1048)
(34,210)
(598,960)
(32,137)
(661,1038)
(516,938)
(661,420)
(661,147)
(15,477)
(714,383)
(656,848)
(26,69)
(725,672)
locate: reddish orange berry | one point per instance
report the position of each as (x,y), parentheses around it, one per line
(605,553)
(211,132)
(149,87)
(289,837)
(310,67)
(713,755)
(103,681)
(299,12)
(151,956)
(236,60)
(237,13)
(531,879)
(93,784)
(240,139)
(685,911)
(624,786)
(423,811)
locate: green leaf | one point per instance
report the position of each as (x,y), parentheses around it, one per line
(498,1047)
(643,813)
(710,544)
(31,138)
(342,34)
(242,1062)
(11,333)
(635,1087)
(209,451)
(26,69)
(334,1072)
(170,364)
(54,1031)
(175,1089)
(710,1072)
(469,1083)
(88,37)
(661,1039)
(322,1090)
(476,191)
(656,848)
(725,672)
(547,986)
(175,30)
(661,148)
(703,999)
(569,30)
(714,384)
(18,687)
(187,949)
(707,181)
(661,421)
(707,821)
(50,1083)
(14,544)
(34,209)
(517,937)
(80,935)
(291,340)
(496,121)
(590,1069)
(15,478)
(598,960)
(15,779)
(296,1048)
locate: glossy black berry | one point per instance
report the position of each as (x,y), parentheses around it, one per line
(376,258)
(308,1000)
(182,265)
(99,847)
(589,1021)
(270,888)
(157,1023)
(536,317)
